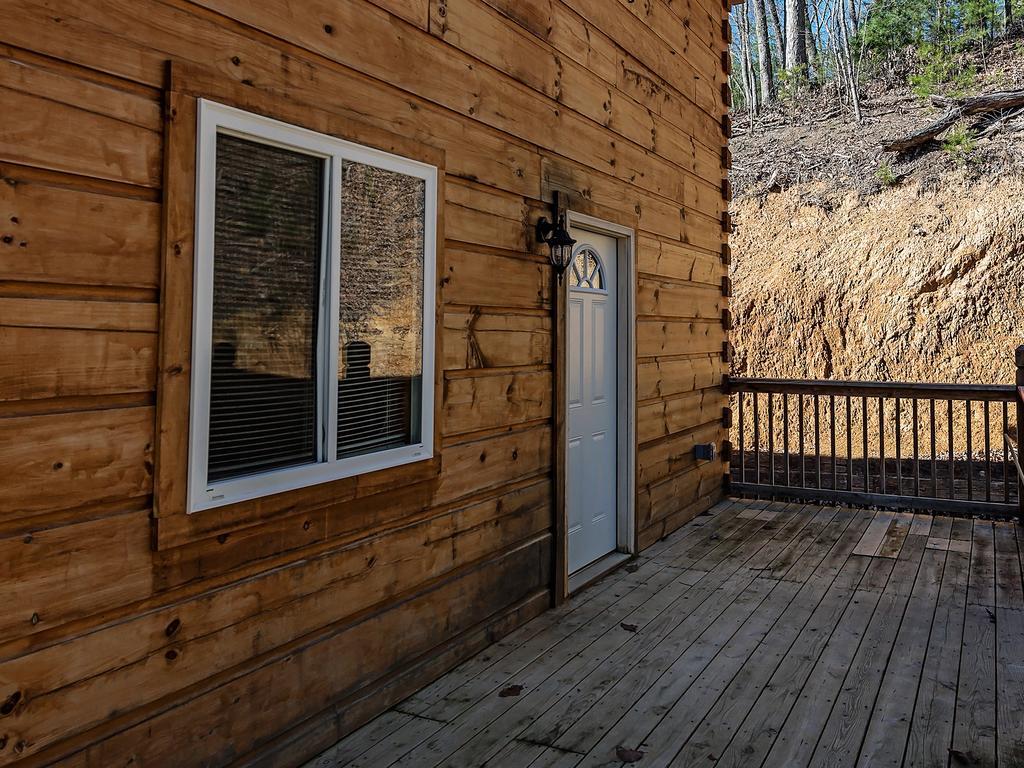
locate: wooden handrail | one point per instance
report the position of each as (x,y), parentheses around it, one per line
(979,392)
(907,445)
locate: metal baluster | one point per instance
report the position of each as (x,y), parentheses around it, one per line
(771,438)
(864,424)
(935,466)
(849,444)
(881,445)
(757,440)
(1006,453)
(743,447)
(899,451)
(988,455)
(785,434)
(952,460)
(800,429)
(970,449)
(817,439)
(917,455)
(832,421)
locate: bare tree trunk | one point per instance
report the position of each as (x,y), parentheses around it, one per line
(749,79)
(811,39)
(849,72)
(1008,14)
(780,38)
(854,13)
(764,52)
(796,34)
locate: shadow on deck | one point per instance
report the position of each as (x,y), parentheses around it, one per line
(761,634)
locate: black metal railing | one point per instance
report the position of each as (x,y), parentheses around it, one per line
(938,447)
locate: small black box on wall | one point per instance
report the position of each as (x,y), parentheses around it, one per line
(704,451)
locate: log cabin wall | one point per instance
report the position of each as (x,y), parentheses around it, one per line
(262,640)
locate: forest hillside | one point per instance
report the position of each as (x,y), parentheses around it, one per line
(853,262)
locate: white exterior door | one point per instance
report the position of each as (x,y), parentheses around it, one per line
(591,455)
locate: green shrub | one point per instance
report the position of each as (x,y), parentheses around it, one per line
(941,72)
(886,175)
(960,144)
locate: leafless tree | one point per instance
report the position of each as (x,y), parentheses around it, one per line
(765,69)
(796,34)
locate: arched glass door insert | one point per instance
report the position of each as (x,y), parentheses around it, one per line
(587,271)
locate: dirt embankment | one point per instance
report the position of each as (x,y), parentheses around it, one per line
(920,282)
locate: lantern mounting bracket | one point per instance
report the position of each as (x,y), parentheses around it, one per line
(555,233)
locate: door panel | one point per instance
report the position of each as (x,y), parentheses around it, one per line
(591,456)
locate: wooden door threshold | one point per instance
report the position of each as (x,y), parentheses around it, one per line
(587,575)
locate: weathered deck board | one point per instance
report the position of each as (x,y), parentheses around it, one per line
(762,634)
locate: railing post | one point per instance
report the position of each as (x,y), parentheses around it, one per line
(1019,360)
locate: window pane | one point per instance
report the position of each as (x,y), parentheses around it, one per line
(266,288)
(381,323)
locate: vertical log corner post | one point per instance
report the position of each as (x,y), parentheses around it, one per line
(1019,360)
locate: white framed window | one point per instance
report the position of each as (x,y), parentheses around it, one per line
(313,312)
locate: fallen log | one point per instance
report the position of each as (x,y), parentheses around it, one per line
(979,105)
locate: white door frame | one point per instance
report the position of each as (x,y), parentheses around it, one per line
(625,302)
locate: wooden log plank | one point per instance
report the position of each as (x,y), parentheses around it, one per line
(356,26)
(674,455)
(664,377)
(134,44)
(279,608)
(345,716)
(657,257)
(71,313)
(491,463)
(270,696)
(637,38)
(495,400)
(61,234)
(60,137)
(660,500)
(36,78)
(416,12)
(57,362)
(661,418)
(57,575)
(474,28)
(664,299)
(479,277)
(482,216)
(668,337)
(70,460)
(479,339)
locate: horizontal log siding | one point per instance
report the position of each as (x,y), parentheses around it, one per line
(238,641)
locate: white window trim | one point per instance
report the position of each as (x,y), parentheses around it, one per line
(214,118)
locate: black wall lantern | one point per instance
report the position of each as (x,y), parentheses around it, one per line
(557,237)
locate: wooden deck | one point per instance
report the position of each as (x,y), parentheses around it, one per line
(761,634)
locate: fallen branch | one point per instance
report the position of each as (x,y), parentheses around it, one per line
(978,105)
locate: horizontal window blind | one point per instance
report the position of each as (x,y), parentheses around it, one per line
(266,298)
(381,314)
